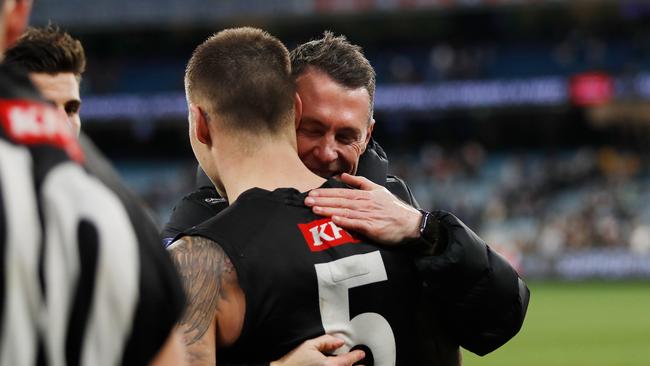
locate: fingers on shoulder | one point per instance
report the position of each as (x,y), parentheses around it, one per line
(358,181)
(351,223)
(325,343)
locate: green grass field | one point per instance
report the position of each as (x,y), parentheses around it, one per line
(576,324)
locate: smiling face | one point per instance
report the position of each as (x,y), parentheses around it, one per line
(335,126)
(61,89)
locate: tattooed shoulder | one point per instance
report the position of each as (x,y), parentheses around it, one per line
(205,270)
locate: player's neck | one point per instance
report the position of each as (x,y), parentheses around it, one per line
(269,166)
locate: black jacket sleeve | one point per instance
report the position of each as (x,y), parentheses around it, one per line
(398,187)
(484,299)
(481,298)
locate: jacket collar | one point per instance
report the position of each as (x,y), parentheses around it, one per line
(373,163)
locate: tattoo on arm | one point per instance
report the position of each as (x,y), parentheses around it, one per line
(205,269)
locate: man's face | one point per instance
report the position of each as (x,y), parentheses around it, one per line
(62,89)
(334,128)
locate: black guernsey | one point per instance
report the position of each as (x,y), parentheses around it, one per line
(82,273)
(303,276)
(473,297)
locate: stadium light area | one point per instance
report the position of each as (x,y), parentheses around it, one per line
(102,13)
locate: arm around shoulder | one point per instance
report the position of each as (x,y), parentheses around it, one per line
(483,299)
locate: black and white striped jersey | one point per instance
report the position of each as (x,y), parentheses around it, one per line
(83,278)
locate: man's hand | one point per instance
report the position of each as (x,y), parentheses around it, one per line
(312,353)
(372,211)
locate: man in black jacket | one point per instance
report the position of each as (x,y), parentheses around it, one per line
(475,298)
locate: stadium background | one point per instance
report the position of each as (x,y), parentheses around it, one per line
(528,119)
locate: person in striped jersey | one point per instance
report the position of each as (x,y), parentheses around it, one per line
(83,279)
(54,61)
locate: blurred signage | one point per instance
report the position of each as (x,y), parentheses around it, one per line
(472,94)
(415,98)
(591,89)
(583,90)
(603,263)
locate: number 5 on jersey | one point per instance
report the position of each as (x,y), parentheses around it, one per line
(370,329)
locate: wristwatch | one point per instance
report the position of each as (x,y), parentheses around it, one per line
(427,243)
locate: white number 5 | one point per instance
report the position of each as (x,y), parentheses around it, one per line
(370,329)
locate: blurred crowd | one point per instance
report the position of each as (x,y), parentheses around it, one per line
(542,202)
(576,52)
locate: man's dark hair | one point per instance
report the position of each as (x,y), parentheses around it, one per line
(337,57)
(47,50)
(244,76)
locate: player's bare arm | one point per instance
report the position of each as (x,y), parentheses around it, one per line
(215,302)
(172,352)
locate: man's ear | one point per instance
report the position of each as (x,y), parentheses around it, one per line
(200,123)
(371,125)
(297,105)
(16,16)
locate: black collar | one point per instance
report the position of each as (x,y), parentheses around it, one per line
(373,163)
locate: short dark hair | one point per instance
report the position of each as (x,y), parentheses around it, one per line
(244,74)
(48,50)
(341,60)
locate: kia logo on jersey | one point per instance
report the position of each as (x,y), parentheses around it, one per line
(33,123)
(324,234)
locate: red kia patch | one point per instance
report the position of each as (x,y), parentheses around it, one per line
(32,123)
(324,234)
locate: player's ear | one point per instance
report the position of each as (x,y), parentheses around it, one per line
(200,123)
(16,16)
(297,105)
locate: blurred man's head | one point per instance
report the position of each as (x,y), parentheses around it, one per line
(54,61)
(14,15)
(336,84)
(239,89)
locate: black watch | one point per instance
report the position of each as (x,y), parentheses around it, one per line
(429,233)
